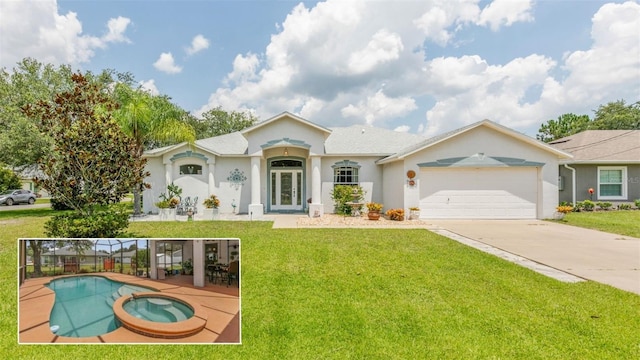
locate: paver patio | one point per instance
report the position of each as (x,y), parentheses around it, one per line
(221,304)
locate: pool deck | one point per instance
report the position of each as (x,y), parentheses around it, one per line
(221,304)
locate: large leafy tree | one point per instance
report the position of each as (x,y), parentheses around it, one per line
(566,125)
(29,82)
(617,115)
(149,120)
(219,122)
(92,163)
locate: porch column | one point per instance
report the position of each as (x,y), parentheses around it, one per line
(168,176)
(315,208)
(211,170)
(255,208)
(199,273)
(153,271)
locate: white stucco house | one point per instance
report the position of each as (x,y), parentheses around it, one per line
(290,164)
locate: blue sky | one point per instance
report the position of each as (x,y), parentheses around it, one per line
(420,66)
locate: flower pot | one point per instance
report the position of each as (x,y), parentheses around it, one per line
(414,214)
(210,214)
(167,214)
(558,215)
(373,215)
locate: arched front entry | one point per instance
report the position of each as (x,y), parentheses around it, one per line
(286,184)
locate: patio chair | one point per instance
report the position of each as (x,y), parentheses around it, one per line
(233,273)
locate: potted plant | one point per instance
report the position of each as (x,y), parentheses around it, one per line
(167,208)
(211,205)
(395,214)
(187,267)
(414,213)
(561,211)
(374,210)
(168,202)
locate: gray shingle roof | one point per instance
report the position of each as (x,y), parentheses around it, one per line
(358,139)
(604,146)
(229,144)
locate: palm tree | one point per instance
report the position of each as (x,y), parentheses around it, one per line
(149,120)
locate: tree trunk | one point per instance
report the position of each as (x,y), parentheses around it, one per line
(36,246)
(136,201)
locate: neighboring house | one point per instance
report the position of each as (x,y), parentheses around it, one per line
(27,175)
(607,161)
(124,257)
(289,164)
(70,256)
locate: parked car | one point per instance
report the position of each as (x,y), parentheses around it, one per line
(17,196)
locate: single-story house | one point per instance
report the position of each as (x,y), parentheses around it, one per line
(67,256)
(27,175)
(607,161)
(289,164)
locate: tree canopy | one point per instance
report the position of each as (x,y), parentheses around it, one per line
(567,124)
(219,122)
(92,160)
(8,180)
(615,115)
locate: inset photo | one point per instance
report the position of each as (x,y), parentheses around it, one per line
(133,291)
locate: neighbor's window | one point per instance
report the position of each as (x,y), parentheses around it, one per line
(345,173)
(612,182)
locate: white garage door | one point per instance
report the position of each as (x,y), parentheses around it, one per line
(484,193)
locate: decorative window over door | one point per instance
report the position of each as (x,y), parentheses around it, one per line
(191,169)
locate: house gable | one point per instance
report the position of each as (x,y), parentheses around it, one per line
(286,130)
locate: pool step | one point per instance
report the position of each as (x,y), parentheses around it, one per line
(179,315)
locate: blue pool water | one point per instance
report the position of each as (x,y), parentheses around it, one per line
(84,304)
(158,309)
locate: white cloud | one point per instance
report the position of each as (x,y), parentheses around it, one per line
(379,107)
(506,12)
(383,47)
(198,44)
(166,64)
(36,29)
(311,68)
(150,87)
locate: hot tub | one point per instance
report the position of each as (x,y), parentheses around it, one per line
(160,315)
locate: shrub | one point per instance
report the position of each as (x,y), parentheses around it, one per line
(8,180)
(637,202)
(342,194)
(588,205)
(604,205)
(564,209)
(59,205)
(106,221)
(624,207)
(395,214)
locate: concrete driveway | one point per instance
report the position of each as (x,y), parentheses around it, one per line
(594,255)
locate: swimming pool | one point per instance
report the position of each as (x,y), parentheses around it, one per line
(84,304)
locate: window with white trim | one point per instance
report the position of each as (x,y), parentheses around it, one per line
(612,182)
(345,173)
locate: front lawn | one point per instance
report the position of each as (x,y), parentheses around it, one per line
(623,222)
(373,294)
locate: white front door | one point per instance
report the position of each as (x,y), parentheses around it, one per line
(286,189)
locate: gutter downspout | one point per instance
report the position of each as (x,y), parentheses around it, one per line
(573,183)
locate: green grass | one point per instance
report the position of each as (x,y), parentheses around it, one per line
(373,294)
(623,222)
